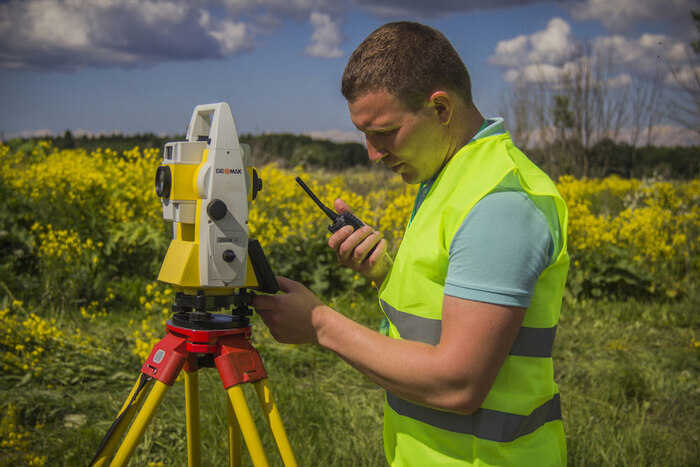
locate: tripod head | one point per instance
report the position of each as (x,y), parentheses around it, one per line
(206,185)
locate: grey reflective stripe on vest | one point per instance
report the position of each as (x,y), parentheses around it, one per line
(530,342)
(487,424)
(534,342)
(412,327)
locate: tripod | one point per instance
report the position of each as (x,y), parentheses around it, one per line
(194,340)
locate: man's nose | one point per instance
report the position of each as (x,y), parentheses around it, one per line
(375,155)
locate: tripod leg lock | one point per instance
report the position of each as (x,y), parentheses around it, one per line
(239,363)
(166,359)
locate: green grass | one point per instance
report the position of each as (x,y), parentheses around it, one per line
(627,372)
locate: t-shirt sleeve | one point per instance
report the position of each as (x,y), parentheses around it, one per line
(499,251)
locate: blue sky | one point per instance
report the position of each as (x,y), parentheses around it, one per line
(100,66)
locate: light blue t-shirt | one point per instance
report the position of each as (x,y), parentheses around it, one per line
(503,244)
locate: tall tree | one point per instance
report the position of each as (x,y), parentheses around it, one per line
(684,104)
(589,101)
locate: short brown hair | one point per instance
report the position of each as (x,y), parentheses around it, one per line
(409,60)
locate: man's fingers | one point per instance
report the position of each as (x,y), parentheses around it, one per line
(268,302)
(341,206)
(339,237)
(286,285)
(262,302)
(378,251)
(362,251)
(353,241)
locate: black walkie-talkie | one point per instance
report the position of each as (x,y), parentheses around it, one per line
(339,220)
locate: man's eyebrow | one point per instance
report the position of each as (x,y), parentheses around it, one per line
(378,128)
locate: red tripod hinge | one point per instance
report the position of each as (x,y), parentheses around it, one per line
(238,361)
(167,358)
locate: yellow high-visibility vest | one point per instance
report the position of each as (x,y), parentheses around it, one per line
(519,422)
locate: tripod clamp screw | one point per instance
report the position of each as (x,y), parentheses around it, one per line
(241,302)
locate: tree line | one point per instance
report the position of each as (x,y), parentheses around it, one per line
(287,149)
(603,158)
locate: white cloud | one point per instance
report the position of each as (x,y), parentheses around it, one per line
(434,8)
(512,52)
(52,24)
(339,136)
(72,34)
(231,37)
(648,54)
(620,81)
(614,14)
(535,73)
(554,45)
(617,16)
(687,75)
(623,15)
(326,38)
(159,12)
(544,55)
(283,7)
(266,16)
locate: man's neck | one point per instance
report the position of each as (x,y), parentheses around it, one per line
(464,126)
(472,124)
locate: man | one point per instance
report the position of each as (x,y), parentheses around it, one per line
(473,296)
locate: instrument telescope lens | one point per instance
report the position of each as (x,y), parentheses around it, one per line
(163,181)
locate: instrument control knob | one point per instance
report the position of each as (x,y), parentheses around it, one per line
(229,256)
(217,209)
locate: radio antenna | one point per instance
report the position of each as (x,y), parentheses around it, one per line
(329,212)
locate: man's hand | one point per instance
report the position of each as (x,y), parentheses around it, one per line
(292,317)
(353,249)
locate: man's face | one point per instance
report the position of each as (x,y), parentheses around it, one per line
(413,144)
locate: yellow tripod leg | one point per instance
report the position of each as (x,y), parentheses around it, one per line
(133,436)
(194,450)
(245,421)
(235,446)
(262,388)
(106,453)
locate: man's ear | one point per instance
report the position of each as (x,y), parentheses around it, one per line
(441,103)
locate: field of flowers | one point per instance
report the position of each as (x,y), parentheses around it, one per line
(88,225)
(82,239)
